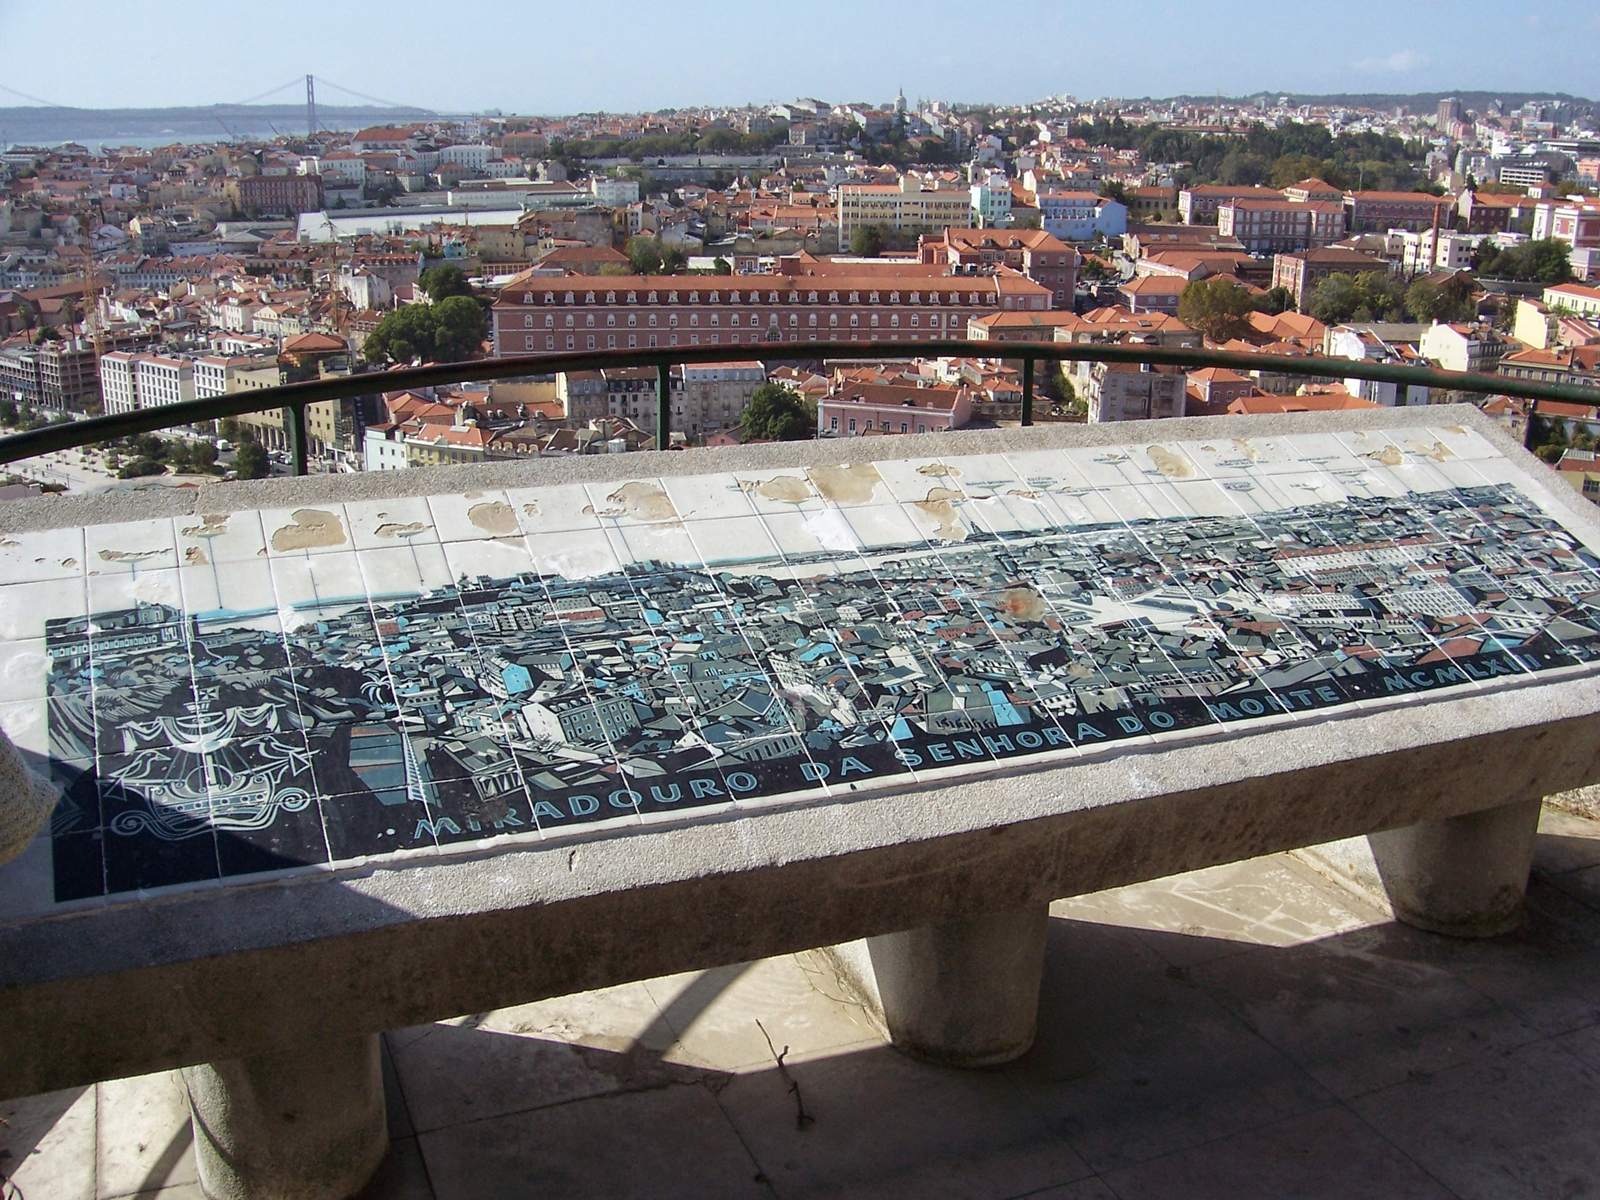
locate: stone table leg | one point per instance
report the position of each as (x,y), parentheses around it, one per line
(962,994)
(1464,876)
(307,1125)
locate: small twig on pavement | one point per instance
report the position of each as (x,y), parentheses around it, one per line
(801,1117)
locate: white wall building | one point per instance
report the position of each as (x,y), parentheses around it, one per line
(467,154)
(161,380)
(614,193)
(117,386)
(991,202)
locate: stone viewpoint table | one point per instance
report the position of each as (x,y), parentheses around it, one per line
(345,754)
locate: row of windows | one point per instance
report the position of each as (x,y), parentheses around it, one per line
(530,342)
(754,297)
(905,426)
(934,319)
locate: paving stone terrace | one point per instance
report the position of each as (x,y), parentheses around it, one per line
(1246,1030)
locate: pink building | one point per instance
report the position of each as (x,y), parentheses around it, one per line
(876,408)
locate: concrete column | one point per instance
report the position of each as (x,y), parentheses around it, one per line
(306,1125)
(1464,876)
(962,994)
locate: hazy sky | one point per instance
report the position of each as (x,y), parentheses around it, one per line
(536,57)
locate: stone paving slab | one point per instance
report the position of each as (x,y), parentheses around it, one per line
(1180,1056)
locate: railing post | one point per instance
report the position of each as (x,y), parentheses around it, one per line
(663,401)
(1027,391)
(297,437)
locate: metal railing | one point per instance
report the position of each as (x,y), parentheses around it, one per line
(294,398)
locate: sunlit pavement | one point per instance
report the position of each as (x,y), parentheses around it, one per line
(1248,1030)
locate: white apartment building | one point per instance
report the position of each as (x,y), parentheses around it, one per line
(473,155)
(384,448)
(1422,252)
(161,380)
(348,168)
(131,381)
(219,374)
(614,193)
(117,387)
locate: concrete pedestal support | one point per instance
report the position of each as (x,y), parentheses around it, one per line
(309,1125)
(1464,876)
(962,994)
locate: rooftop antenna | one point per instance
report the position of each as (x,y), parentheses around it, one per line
(311,108)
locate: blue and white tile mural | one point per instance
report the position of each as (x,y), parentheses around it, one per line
(250,692)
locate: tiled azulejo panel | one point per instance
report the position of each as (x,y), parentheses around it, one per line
(254,692)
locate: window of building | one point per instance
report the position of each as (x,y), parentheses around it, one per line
(694,318)
(570,341)
(904,428)
(611,320)
(672,320)
(852,424)
(633,340)
(874,320)
(591,341)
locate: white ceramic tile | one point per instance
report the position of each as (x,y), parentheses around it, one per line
(779,491)
(707,497)
(377,524)
(473,515)
(732,540)
(48,554)
(633,502)
(313,529)
(130,547)
(487,559)
(220,538)
(558,509)
(26,607)
(573,555)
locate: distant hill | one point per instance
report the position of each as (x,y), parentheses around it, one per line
(1478,101)
(39,125)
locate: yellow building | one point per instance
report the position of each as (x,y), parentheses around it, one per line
(911,206)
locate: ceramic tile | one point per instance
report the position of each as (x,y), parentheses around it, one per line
(51,554)
(265,692)
(312,530)
(707,497)
(632,502)
(574,554)
(130,547)
(375,524)
(561,509)
(220,538)
(475,515)
(779,491)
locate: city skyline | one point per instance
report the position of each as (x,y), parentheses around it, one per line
(711,56)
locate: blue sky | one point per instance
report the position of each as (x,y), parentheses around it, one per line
(538,57)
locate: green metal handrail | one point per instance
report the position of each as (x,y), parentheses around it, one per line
(293,398)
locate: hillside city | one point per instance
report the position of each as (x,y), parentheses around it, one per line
(1408,230)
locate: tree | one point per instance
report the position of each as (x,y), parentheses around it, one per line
(1428,301)
(251,462)
(406,335)
(459,329)
(1218,307)
(866,241)
(721,266)
(644,254)
(1545,261)
(778,414)
(444,281)
(1113,189)
(1275,300)
(1369,296)
(140,467)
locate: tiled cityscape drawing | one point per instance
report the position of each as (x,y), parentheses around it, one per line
(248,692)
